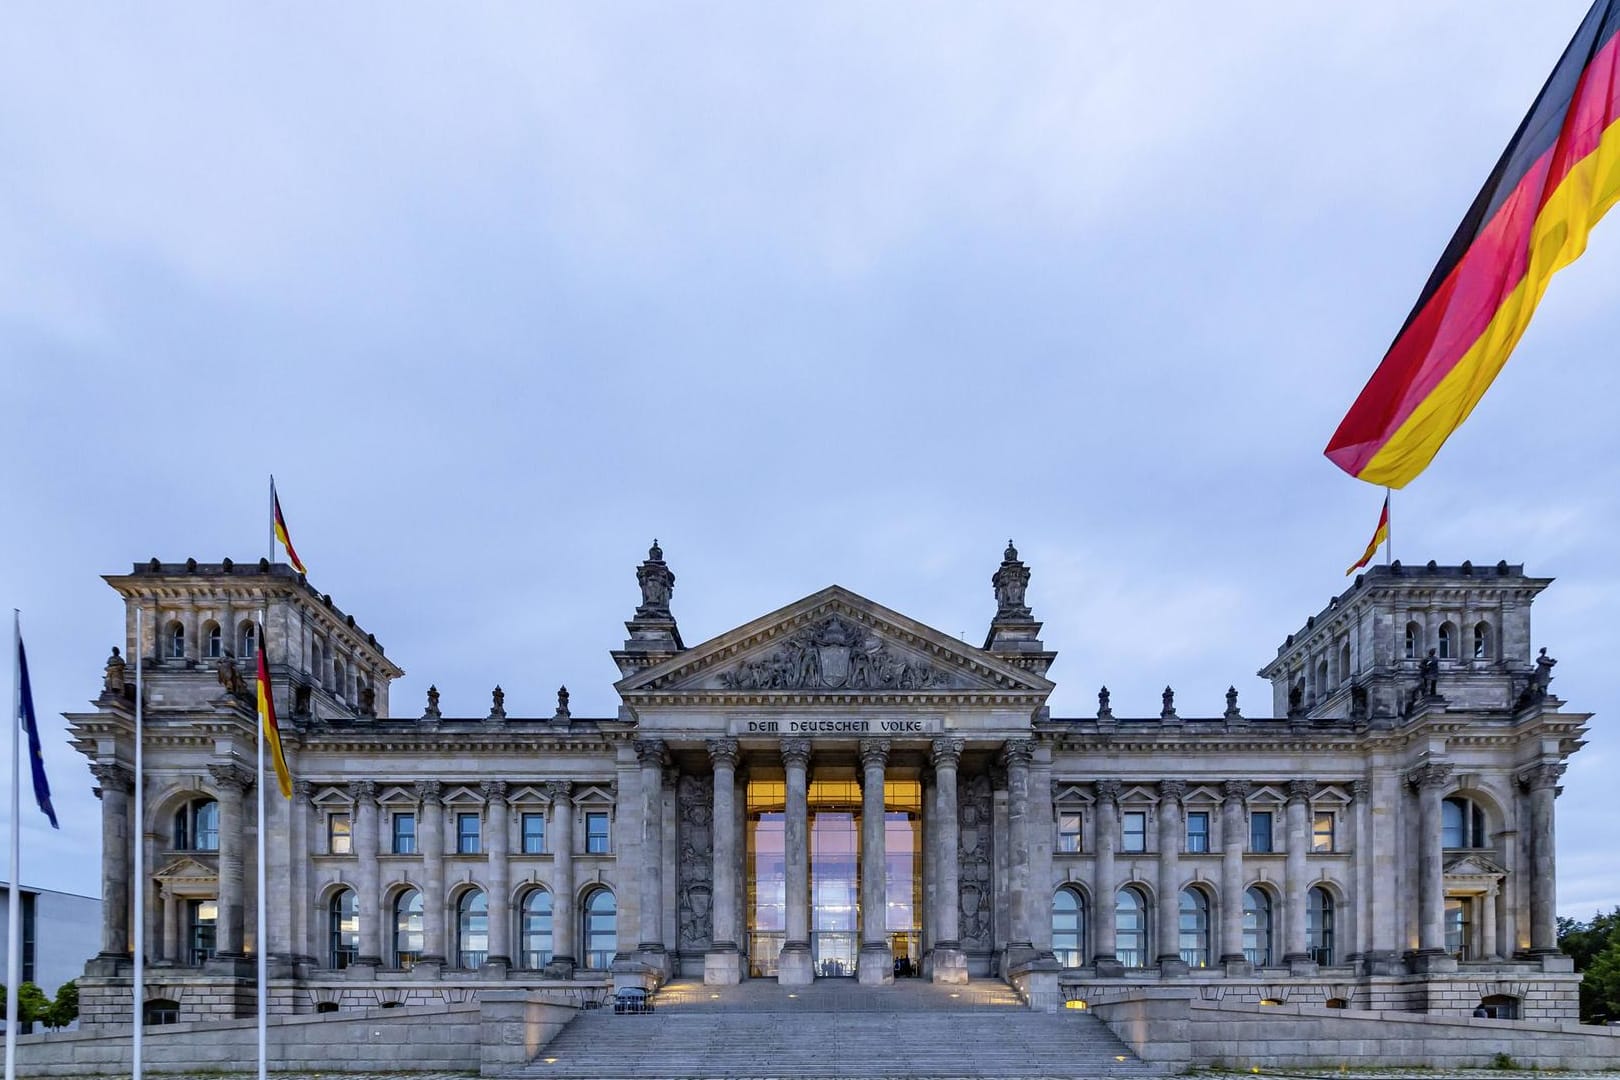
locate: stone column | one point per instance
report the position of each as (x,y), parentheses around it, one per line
(1295,953)
(1042,840)
(1233,837)
(1389,872)
(563,916)
(1431,782)
(1106,884)
(875,965)
(498,827)
(117,782)
(930,868)
(793,966)
(1171,832)
(430,836)
(232,781)
(368,900)
(950,963)
(1016,755)
(1541,781)
(669,802)
(171,928)
(302,811)
(650,755)
(1001,845)
(1489,950)
(722,964)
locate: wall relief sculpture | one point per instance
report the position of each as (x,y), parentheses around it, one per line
(692,795)
(975,801)
(835,654)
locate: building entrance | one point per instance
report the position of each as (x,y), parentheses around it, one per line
(835,867)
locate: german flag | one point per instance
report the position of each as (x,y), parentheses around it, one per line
(267,720)
(1557,177)
(280,525)
(1380,534)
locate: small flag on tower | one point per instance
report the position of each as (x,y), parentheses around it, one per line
(267,719)
(1380,535)
(1557,177)
(281,531)
(36,756)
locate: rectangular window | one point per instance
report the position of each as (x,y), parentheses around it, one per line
(1197,832)
(1068,832)
(596,833)
(1260,831)
(534,834)
(466,834)
(1322,831)
(339,840)
(404,834)
(202,916)
(1133,828)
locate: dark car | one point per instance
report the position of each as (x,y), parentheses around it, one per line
(632,999)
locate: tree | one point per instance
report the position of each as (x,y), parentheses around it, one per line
(1595,948)
(65,1009)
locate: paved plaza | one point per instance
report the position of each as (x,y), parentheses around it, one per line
(1360,1074)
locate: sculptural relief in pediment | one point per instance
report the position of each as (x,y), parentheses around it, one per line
(835,653)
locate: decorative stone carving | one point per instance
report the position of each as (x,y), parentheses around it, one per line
(497,706)
(947,752)
(696,871)
(1108,790)
(303,790)
(113,777)
(796,752)
(231,776)
(363,791)
(494,791)
(1172,790)
(1017,752)
(1236,791)
(113,680)
(229,676)
(723,752)
(432,711)
(560,790)
(1232,712)
(1430,776)
(1169,710)
(562,704)
(1541,776)
(1429,676)
(1535,689)
(1010,582)
(874,752)
(650,752)
(429,791)
(835,653)
(1104,712)
(976,886)
(1360,789)
(1301,789)
(657,583)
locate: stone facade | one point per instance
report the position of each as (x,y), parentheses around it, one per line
(1382,838)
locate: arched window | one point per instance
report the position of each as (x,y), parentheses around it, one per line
(1069,927)
(472,929)
(407,929)
(1257,926)
(1319,925)
(1414,640)
(534,931)
(1131,927)
(176,637)
(1500,1006)
(1482,641)
(340,687)
(1344,663)
(1194,923)
(601,930)
(216,641)
(343,929)
(326,1006)
(1462,824)
(196,826)
(1448,641)
(247,638)
(161,1011)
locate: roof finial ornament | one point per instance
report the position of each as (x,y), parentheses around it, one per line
(657,582)
(1010,581)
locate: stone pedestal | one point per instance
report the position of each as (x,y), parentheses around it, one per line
(1172,968)
(427,969)
(1429,962)
(1300,965)
(1382,962)
(793,966)
(1237,967)
(949,964)
(722,968)
(1109,967)
(875,965)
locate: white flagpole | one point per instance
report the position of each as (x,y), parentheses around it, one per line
(137,834)
(1389,538)
(13,926)
(259,946)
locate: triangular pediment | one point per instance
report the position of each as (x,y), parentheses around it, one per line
(834,644)
(185,870)
(1474,864)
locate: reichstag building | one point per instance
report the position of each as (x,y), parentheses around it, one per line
(834,790)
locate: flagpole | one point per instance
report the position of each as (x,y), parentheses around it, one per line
(264,646)
(1389,528)
(13,926)
(137,1066)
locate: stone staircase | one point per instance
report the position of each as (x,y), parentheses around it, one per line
(836,1028)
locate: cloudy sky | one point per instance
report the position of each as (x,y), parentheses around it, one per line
(814,294)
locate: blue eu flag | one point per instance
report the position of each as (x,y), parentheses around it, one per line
(36,759)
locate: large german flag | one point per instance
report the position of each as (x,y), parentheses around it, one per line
(267,721)
(1555,180)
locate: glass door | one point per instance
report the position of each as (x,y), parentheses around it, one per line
(834,889)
